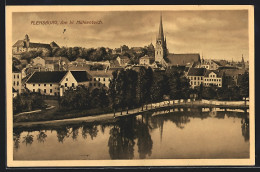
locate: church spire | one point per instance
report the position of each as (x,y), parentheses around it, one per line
(160,35)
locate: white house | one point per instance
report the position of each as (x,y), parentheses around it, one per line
(212,77)
(17,79)
(196,76)
(56,82)
(100,79)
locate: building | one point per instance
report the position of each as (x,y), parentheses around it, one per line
(196,76)
(213,77)
(14,93)
(17,79)
(166,59)
(25,45)
(234,73)
(100,79)
(137,50)
(189,60)
(146,60)
(56,82)
(210,64)
(123,60)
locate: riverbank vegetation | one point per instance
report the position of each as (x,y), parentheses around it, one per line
(128,89)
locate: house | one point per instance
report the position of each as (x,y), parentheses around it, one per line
(100,79)
(213,77)
(17,79)
(146,60)
(233,73)
(196,76)
(56,82)
(137,50)
(14,93)
(123,60)
(210,64)
(25,45)
(38,61)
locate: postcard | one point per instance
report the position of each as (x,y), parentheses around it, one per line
(130,85)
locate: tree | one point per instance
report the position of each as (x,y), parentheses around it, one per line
(178,84)
(244,85)
(148,81)
(140,89)
(131,82)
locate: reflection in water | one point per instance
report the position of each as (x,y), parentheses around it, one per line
(128,133)
(245,128)
(41,137)
(28,139)
(62,133)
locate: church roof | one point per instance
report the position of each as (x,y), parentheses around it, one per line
(183,59)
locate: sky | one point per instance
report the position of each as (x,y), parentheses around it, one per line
(221,34)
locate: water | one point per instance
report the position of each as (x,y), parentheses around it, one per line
(171,134)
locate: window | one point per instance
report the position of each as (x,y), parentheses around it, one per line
(90,79)
(72,84)
(33,84)
(44,90)
(201,78)
(104,85)
(98,79)
(44,85)
(104,79)
(50,90)
(14,83)
(66,85)
(50,84)
(39,84)
(94,84)
(66,79)
(18,76)
(90,84)
(33,90)
(98,84)
(194,83)
(191,82)
(14,76)
(94,79)
(194,77)
(191,78)
(17,83)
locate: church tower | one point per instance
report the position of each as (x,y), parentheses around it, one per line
(27,41)
(243,62)
(160,48)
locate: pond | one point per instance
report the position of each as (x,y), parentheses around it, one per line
(169,134)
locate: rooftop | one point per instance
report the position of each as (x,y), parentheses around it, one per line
(183,59)
(46,77)
(197,72)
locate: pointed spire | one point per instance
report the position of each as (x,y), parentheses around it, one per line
(160,35)
(242,59)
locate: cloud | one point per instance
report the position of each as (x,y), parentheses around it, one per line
(218,34)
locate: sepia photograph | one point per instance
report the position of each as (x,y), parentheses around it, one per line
(130,85)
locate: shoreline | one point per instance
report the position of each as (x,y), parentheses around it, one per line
(110,116)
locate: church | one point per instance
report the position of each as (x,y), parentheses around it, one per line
(166,59)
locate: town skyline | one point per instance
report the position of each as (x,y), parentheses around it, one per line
(213,34)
